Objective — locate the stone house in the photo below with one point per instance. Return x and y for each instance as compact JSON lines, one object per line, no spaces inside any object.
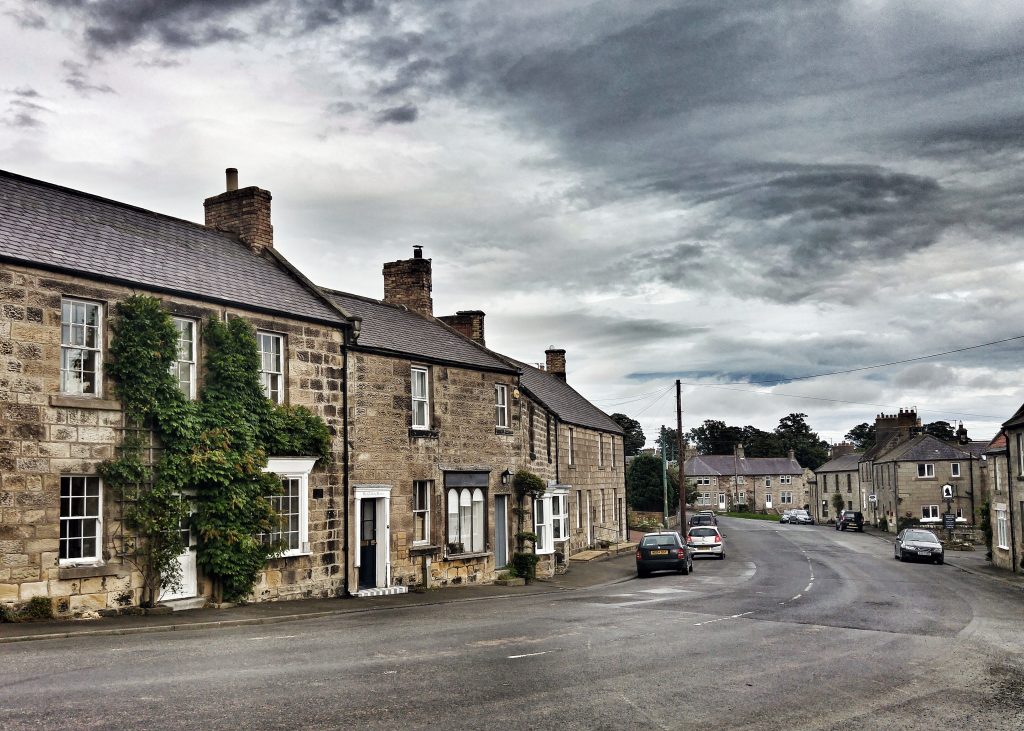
{"x":66,"y":259}
{"x":579,"y":450}
{"x":1006,"y":461}
{"x":723,"y":481}
{"x":841,"y":474}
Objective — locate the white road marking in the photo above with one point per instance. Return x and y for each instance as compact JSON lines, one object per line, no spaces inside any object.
{"x":796,"y":597}
{"x":721,"y":619}
{"x":529,"y":654}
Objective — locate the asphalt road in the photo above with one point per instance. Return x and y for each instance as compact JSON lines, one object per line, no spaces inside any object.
{"x":798,"y":628}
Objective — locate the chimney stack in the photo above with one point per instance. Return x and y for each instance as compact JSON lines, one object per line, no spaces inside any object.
{"x":244,"y":212}
{"x":408,"y":283}
{"x":739,"y":452}
{"x":555,"y":358}
{"x":792,"y":455}
{"x":841,"y":449}
{"x":468,"y":322}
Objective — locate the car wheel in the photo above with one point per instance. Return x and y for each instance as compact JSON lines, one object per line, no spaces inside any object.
{"x":900,"y":556}
{"x":721,"y":556}
{"x":940,"y":561}
{"x":642,"y":574}
{"x":683,"y":569}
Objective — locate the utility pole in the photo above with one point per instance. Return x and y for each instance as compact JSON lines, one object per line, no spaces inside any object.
{"x":681,"y":456}
{"x":664,"y":478}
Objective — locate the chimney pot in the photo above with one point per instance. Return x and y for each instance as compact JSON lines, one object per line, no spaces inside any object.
{"x":245,"y":213}
{"x":232,"y":178}
{"x":417,"y":252}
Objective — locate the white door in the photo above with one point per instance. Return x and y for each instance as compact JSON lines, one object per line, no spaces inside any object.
{"x":767,"y":500}
{"x":189,"y":575}
{"x":721,"y":501}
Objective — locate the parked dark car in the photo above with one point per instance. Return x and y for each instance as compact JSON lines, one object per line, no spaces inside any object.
{"x":703,"y":519}
{"x":850,"y":519}
{"x":663,"y":551}
{"x":801,"y":517}
{"x":919,"y":545}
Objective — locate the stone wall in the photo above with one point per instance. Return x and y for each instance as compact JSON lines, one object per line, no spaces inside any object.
{"x":462,"y":437}
{"x":44,"y":435}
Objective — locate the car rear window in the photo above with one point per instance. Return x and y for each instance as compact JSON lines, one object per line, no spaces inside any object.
{"x":661,"y":541}
{"x":703,"y":532}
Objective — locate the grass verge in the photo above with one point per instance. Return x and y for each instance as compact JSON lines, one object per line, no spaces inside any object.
{"x":753,"y":516}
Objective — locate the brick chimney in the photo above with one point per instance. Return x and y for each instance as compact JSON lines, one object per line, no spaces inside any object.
{"x":468,"y":322}
{"x":245,"y":212}
{"x":841,"y":450}
{"x":792,"y":455}
{"x":408,"y":283}
{"x":555,"y":358}
{"x":896,"y":426}
{"x":739,"y":452}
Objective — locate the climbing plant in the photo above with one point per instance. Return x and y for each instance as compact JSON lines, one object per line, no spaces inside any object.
{"x":213,"y":450}
{"x":525,"y":485}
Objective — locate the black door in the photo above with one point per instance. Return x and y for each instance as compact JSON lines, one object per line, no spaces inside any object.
{"x":368,"y":545}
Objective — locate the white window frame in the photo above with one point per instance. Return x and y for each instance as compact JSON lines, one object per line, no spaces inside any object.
{"x":74,"y":337}
{"x":1002,"y":533}
{"x":702,"y":481}
{"x":501,"y":419}
{"x":87,"y":517}
{"x":1020,"y":454}
{"x":767,"y":481}
{"x":185,"y":355}
{"x":579,"y":509}
{"x":269,"y":377}
{"x":741,"y":480}
{"x":572,"y":447}
{"x":420,"y":391}
{"x":542,"y":525}
{"x":954,"y":469}
{"x":930,"y":514}
{"x":925,"y":470}
{"x":421,"y":509}
{"x":704,"y":498}
{"x":560,"y":515}
{"x":785,"y":497}
{"x":466,"y":526}
{"x":741,"y":497}
{"x":785,"y":479}
{"x":297,"y":469}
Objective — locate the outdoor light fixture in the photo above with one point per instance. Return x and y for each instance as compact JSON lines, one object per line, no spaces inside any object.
{"x":504,"y":477}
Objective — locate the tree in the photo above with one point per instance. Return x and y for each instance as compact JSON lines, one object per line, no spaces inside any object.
{"x":633,"y":439}
{"x":862,"y":436}
{"x":794,"y":433}
{"x":643,"y":485}
{"x":758,"y":443}
{"x":715,"y":437}
{"x":668,"y":437}
{"x":838,"y":503}
{"x":941,"y":429}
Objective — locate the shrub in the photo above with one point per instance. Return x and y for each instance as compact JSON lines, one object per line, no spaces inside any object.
{"x":525,"y":565}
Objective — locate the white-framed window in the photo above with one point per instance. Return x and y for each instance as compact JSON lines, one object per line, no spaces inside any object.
{"x":572,"y":446}
{"x":704,"y":498}
{"x":81,"y":520}
{"x":929,"y":512}
{"x":421,"y":490}
{"x":742,"y":498}
{"x":421,"y":399}
{"x":560,"y":516}
{"x":272,"y":365}
{"x":600,"y":450}
{"x":501,"y":405}
{"x":184,"y":366}
{"x":466,"y":519}
{"x":954,"y":469}
{"x":1002,"y":540}
{"x":786,"y":497}
{"x":1020,"y":453}
{"x":542,"y":524}
{"x":702,"y":481}
{"x":579,"y":509}
{"x":81,"y":348}
{"x":785,"y":479}
{"x":292,"y":505}
{"x":925,"y":470}
{"x":740,"y":480}
{"x":767,"y":481}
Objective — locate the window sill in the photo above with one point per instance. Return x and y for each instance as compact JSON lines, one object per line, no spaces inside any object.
{"x":62,"y":401}
{"x":503,"y":431}
{"x":423,"y":433}
{"x":463,"y":556}
{"x":67,"y":572}
{"x":423,"y":548}
{"x":290,"y":554}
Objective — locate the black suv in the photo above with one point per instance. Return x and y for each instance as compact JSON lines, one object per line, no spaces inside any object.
{"x":850,"y":519}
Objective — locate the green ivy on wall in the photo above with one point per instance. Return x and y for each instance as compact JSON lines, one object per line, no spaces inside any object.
{"x":213,"y":450}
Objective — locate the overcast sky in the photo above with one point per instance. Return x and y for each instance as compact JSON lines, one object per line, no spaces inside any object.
{"x":721,"y":192}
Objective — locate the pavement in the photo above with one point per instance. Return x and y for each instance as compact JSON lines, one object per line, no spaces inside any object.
{"x":611,"y":570}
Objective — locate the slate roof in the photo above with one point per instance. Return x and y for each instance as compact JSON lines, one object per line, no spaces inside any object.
{"x":845,"y":463}
{"x":1016,"y":420}
{"x":396,"y":330}
{"x":52,"y":227}
{"x":719,"y":465}
{"x":564,"y":400}
{"x":925,"y":447}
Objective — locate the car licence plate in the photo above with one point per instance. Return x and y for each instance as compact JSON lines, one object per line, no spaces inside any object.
{"x":659,"y":553}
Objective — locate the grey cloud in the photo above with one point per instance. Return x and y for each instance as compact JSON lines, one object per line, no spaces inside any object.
{"x":28,"y":19}
{"x":27,"y":92}
{"x":403,"y":114}
{"x":23,"y":111}
{"x":75,"y":76}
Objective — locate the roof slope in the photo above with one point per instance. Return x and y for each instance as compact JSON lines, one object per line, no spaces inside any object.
{"x":1016,"y":420}
{"x":401,"y":331}
{"x":58,"y":228}
{"x":564,"y":400}
{"x":924,"y":447}
{"x":845,"y":463}
{"x":717,"y":465}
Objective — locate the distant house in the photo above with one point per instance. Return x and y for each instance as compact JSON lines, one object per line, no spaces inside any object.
{"x":839,"y":475}
{"x":728,"y":481}
{"x":1007,"y":497}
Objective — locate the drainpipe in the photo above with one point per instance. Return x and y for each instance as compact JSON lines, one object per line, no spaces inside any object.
{"x":971,"y":464}
{"x":345,"y":458}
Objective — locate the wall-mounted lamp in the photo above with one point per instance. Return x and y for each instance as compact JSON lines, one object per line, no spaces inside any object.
{"x":505,"y":477}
